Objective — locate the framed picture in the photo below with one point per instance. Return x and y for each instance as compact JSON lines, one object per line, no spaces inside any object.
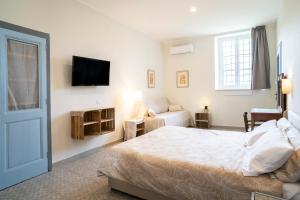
{"x":182,"y":79}
{"x":151,"y":78}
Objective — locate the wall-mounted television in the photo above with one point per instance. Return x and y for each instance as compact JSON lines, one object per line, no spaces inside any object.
{"x":90,"y":72}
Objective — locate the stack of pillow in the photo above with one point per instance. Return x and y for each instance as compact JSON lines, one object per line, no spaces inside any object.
{"x":273,"y":147}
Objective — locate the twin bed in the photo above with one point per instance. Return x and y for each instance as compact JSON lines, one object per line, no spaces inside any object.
{"x":178,"y":118}
{"x":186,"y":163}
{"x":161,"y":114}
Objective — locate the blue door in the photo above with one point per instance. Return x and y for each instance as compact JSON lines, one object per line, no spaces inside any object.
{"x":23,"y":108}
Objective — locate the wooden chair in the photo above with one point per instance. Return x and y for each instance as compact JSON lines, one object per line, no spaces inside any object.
{"x":246,"y":122}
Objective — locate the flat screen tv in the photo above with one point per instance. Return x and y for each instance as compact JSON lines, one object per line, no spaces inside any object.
{"x":90,"y":72}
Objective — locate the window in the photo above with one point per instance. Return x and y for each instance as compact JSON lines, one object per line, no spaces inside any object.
{"x":233,"y":61}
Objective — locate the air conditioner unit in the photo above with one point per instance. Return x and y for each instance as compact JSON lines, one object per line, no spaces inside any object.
{"x":182,"y":49}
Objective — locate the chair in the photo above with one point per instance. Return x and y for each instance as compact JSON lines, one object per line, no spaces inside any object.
{"x":246,"y":122}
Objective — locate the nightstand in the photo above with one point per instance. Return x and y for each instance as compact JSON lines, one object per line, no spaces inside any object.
{"x":202,"y":120}
{"x":134,"y":128}
{"x":262,"y":196}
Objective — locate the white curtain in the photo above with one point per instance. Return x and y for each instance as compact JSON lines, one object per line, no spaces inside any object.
{"x":23,"y":83}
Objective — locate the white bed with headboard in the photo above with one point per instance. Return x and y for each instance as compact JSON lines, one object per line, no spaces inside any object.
{"x":186,"y":163}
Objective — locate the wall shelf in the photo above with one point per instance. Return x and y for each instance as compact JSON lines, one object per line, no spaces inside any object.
{"x":92,"y":122}
{"x":106,"y":120}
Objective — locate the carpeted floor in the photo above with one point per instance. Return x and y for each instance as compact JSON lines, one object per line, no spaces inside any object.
{"x":73,"y":179}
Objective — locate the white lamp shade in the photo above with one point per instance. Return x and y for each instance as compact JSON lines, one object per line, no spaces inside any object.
{"x":286,"y":86}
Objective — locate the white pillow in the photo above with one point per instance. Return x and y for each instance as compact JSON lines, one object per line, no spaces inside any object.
{"x":284,"y":124}
{"x":151,"y":112}
{"x":254,"y":135}
{"x":158,"y":105}
{"x":293,"y":135}
{"x":269,"y":153}
{"x":163,"y":105}
{"x":174,"y":108}
{"x":267,"y":125}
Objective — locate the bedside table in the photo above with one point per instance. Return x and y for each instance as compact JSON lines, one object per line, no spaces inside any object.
{"x":262,"y":196}
{"x":202,"y":120}
{"x":134,"y":128}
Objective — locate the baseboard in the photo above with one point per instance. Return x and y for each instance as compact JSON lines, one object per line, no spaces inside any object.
{"x":89,"y":152}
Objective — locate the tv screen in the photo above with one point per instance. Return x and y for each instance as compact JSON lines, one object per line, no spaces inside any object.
{"x":90,"y":72}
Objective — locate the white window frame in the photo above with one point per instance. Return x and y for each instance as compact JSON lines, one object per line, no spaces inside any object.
{"x":219,"y":67}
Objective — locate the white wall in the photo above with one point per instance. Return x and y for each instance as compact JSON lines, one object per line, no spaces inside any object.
{"x":289,"y":34}
{"x":78,"y":30}
{"x":225,"y":110}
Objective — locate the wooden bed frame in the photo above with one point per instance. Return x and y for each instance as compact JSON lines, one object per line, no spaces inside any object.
{"x":151,"y":195}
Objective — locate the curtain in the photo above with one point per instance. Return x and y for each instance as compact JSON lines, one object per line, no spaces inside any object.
{"x":23,"y":85}
{"x":260,"y":59}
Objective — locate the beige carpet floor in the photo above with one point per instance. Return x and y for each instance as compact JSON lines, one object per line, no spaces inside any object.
{"x":73,"y":179}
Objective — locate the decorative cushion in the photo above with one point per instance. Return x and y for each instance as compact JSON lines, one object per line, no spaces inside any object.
{"x":174,"y":108}
{"x":254,"y":135}
{"x":269,"y":153}
{"x":151,"y":112}
{"x":290,"y":171}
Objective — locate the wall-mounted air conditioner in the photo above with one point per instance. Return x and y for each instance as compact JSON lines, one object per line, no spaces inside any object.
{"x":182,"y":49}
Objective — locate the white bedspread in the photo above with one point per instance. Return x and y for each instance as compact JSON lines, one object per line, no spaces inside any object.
{"x":186,"y":163}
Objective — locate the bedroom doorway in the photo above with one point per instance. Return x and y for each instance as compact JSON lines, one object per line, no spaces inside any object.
{"x":24,"y":108}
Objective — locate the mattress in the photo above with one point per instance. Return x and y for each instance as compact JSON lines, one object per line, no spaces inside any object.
{"x":179,"y":118}
{"x":186,"y":163}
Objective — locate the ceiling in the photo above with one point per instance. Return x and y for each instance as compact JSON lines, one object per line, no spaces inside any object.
{"x":171,"y":19}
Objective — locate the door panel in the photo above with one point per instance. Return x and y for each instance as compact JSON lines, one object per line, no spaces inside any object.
{"x":23,"y":137}
{"x":23,"y":122}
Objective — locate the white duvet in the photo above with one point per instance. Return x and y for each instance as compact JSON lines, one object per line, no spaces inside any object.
{"x":186,"y":163}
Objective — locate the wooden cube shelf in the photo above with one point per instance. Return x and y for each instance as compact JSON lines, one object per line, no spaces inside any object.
{"x":202,"y":120}
{"x":92,"y":122}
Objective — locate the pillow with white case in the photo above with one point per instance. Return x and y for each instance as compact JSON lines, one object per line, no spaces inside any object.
{"x":268,"y":154}
{"x":174,"y":108}
{"x":284,"y":124}
{"x":254,"y":135}
{"x":290,"y":171}
{"x":158,"y":105}
{"x":151,"y":112}
{"x":267,"y":125}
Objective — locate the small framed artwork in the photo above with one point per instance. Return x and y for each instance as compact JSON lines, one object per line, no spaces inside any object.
{"x":151,"y":78}
{"x":182,"y":79}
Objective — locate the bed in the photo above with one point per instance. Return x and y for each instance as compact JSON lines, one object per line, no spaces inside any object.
{"x":205,"y":164}
{"x":163,"y":116}
{"x":178,"y":118}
